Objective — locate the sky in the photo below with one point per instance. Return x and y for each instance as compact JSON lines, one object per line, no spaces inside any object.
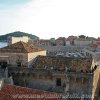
{"x":51,"y":18}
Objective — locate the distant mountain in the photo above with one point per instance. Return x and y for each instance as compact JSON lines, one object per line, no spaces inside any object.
{"x":3,"y":38}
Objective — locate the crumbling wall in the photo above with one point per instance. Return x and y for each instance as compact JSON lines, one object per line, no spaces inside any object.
{"x":38,"y":80}
{"x":96,"y":83}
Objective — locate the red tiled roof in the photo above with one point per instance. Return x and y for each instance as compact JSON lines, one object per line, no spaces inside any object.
{"x":12,"y":92}
{"x":41,"y":40}
{"x":98,"y":39}
{"x":95,"y":45}
{"x":21,"y":47}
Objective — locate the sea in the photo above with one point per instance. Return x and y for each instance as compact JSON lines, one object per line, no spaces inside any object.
{"x":3,"y":44}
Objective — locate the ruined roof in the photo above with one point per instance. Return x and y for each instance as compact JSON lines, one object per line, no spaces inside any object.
{"x":10,"y":92}
{"x":75,"y":64}
{"x":20,"y":47}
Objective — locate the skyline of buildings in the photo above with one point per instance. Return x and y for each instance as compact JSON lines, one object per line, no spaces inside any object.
{"x":62,"y":62}
{"x":31,"y":66}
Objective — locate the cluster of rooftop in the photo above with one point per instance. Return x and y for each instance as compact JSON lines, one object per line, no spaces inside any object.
{"x":29,"y":66}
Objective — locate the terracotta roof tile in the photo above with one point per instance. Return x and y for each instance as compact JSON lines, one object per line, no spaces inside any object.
{"x":98,"y":39}
{"x":21,"y":47}
{"x":61,"y":63}
{"x":42,"y":40}
{"x":12,"y":92}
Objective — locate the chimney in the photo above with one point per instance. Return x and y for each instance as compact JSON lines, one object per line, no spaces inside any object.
{"x":1,"y":83}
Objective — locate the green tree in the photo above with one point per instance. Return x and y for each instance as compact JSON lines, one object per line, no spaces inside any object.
{"x":82,"y":36}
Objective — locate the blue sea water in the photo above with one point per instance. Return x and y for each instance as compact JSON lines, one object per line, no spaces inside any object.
{"x":3,"y":44}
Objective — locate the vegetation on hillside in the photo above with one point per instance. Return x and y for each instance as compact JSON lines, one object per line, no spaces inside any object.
{"x":3,"y":38}
{"x":82,"y":36}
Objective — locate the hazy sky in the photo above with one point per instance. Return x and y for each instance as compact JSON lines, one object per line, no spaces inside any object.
{"x":51,"y":18}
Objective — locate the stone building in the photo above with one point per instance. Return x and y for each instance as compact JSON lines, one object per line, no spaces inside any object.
{"x":80,"y":76}
{"x":30,"y":67}
{"x":97,"y":41}
{"x":70,"y":40}
{"x":19,"y":54}
{"x":53,"y":50}
{"x":93,"y":50}
{"x":61,"y":41}
{"x":43,"y":42}
{"x":12,"y":40}
{"x":53,"y":42}
{"x":83,"y":41}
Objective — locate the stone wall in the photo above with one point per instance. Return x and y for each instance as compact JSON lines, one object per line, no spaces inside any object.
{"x":25,"y":58}
{"x":53,"y":50}
{"x":12,"y":40}
{"x":38,"y":80}
{"x":32,"y":56}
{"x":63,"y":48}
{"x":96,"y":84}
{"x":82,"y":42}
{"x":81,"y":84}
{"x":46,"y":80}
{"x":12,"y":58}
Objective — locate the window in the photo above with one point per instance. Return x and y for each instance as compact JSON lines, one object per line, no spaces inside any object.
{"x":18,"y":64}
{"x":3,"y":64}
{"x":58,"y":82}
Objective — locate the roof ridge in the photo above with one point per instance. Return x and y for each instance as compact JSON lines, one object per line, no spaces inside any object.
{"x":21,"y":47}
{"x":23,"y":44}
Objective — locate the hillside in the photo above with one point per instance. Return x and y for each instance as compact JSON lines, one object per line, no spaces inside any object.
{"x":3,"y":38}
